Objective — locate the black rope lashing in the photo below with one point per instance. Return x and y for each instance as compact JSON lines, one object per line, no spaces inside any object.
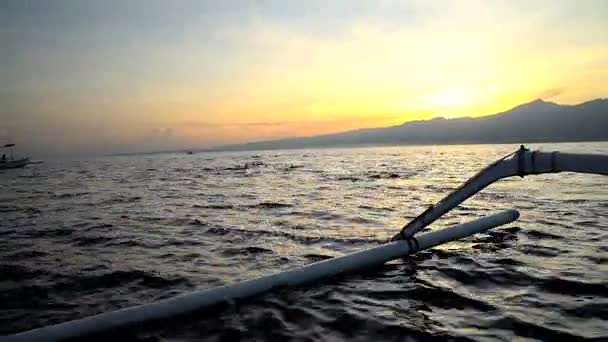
{"x":416,"y":243}
{"x":409,"y":243}
{"x":521,"y":172}
{"x":412,"y":244}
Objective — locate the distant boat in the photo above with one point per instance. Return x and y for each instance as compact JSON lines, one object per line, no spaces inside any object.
{"x":189,"y":152}
{"x":10,"y":162}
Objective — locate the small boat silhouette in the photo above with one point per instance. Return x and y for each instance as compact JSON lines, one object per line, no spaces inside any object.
{"x":9,"y":162}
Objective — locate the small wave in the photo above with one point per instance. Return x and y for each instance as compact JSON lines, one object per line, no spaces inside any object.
{"x":118,"y":200}
{"x":117,"y":278}
{"x":7,"y":232}
{"x":149,"y":219}
{"x":25,"y":255}
{"x":271,"y":205}
{"x":90,"y":283}
{"x":328,"y":216}
{"x":307,"y":240}
{"x":13,"y":208}
{"x":183,"y":243}
{"x":295,"y":226}
{"x":196,"y":222}
{"x":444,"y":298}
{"x":346,"y":178}
{"x":69,"y":195}
{"x":561,"y":285}
{"x":535,"y":234}
{"x":494,"y":237}
{"x":188,"y":257}
{"x":219,"y":231}
{"x":33,"y":175}
{"x":438,"y":188}
{"x":19,"y":273}
{"x":216,"y":206}
{"x":384,"y":176}
{"x":589,"y":310}
{"x":261,"y":205}
{"x":246,"y":250}
{"x":600,"y":260}
{"x":508,"y":262}
{"x":245,"y":166}
{"x":511,"y":230}
{"x":574,"y":200}
{"x":527,"y":329}
{"x":41,"y":233}
{"x":8,"y":208}
{"x":542,"y":251}
{"x":361,"y":220}
{"x":511,"y":276}
{"x":31,"y":210}
{"x":91,"y":240}
{"x":317,"y":257}
{"x":130,"y":243}
{"x":476,"y":278}
{"x":366,"y":207}
{"x":95,"y":228}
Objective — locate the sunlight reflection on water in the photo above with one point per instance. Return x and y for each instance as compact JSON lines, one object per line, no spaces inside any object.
{"x":84,"y":236}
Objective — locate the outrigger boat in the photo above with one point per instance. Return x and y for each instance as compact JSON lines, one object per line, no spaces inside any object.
{"x":10,"y":162}
{"x":520,"y":163}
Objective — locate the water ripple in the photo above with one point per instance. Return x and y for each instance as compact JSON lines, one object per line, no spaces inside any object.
{"x":81,"y":237}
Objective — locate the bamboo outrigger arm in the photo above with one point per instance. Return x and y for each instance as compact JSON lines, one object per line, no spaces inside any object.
{"x":520,"y":163}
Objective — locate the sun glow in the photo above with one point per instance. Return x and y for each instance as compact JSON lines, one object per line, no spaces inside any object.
{"x":227,"y":74}
{"x":450,"y":98}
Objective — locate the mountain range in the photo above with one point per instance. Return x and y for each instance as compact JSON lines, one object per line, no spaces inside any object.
{"x":536,"y":121}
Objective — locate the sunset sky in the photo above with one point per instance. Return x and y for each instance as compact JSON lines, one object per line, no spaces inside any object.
{"x":90,"y":77}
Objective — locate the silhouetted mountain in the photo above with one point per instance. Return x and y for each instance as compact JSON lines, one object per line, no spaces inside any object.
{"x":536,"y":121}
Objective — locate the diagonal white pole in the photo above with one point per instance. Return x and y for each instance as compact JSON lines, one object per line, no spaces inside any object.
{"x":520,"y":163}
{"x":199,"y":300}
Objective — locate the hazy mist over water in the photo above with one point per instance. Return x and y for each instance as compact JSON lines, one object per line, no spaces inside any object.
{"x":80,"y":237}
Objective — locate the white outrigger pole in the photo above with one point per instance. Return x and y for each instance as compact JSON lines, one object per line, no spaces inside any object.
{"x":522,"y":162}
{"x":519,"y":163}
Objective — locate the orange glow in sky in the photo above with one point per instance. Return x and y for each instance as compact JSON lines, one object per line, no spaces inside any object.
{"x":107,"y":77}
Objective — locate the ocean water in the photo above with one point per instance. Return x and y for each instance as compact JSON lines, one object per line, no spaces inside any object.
{"x":80,"y":237}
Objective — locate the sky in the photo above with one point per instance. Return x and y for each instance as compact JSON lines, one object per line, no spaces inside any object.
{"x":94,"y":77}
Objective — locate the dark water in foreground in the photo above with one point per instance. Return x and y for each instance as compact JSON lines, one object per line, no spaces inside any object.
{"x":85,"y":236}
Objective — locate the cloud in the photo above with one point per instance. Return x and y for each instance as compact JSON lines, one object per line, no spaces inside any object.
{"x":250,"y":124}
{"x":550,"y":93}
{"x":206,"y":72}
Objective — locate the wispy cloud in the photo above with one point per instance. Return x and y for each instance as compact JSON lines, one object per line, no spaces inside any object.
{"x":250,"y":124}
{"x":216,"y":72}
{"x":550,"y":93}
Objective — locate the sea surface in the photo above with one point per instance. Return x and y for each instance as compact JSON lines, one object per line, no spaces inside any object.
{"x":80,"y":237}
